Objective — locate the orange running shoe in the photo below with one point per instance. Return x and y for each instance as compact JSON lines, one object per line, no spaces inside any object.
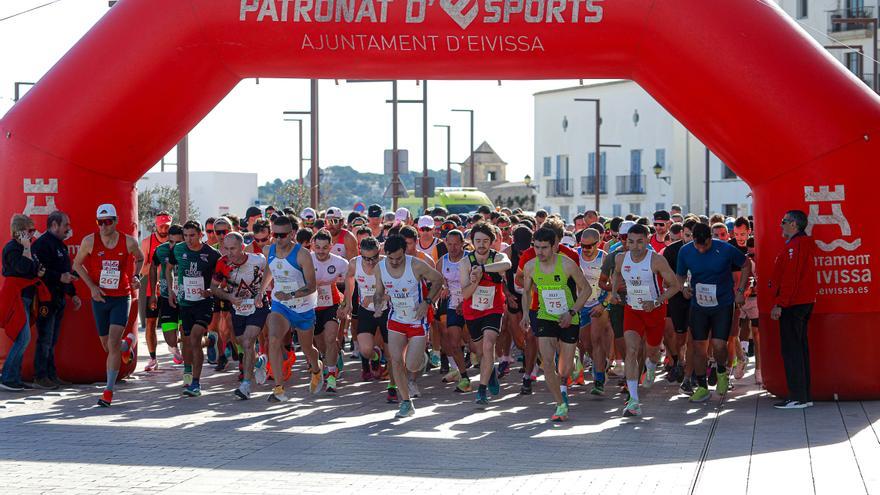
{"x":106,"y":398}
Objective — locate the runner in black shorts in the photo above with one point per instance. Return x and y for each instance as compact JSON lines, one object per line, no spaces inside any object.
{"x":678,"y":310}
{"x":330,"y":269}
{"x":451,"y":300}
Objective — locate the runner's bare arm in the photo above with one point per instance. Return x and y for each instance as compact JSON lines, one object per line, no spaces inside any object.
{"x":379,"y":295}
{"x":584,"y":291}
{"x":501,"y":264}
{"x":468,"y":287}
{"x":267,"y":280}
{"x":169,"y":279}
{"x":427,"y":273}
{"x":670,"y":280}
{"x":616,"y":279}
{"x":528,"y":288}
{"x":135,"y":250}
{"x":347,"y":303}
{"x":153,"y":278}
{"x":304,"y":258}
{"x":351,"y":246}
{"x":85,"y":249}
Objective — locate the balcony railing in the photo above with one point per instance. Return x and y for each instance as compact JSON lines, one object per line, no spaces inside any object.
{"x":588,"y":184}
{"x":835,"y":26}
{"x":560,"y":188}
{"x":631,"y":184}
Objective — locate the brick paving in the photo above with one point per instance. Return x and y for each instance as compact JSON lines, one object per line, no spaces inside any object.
{"x":153,"y":440}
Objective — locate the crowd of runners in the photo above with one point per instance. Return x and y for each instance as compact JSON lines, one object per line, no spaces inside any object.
{"x":596,"y":304}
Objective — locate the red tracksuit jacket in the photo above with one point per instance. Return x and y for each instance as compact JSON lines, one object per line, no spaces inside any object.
{"x":794,"y":273}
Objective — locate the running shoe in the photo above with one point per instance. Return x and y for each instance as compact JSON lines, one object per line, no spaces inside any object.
{"x":193,"y":390}
{"x":331,"y":383}
{"x":452,"y":377}
{"x":222,"y":362}
{"x":494,"y":384}
{"x":406,"y":409}
{"x":260,"y":374}
{"x":723,"y":383}
{"x":413,"y":390}
{"x":176,"y":357}
{"x":464,"y":385}
{"x":598,"y":388}
{"x":475,"y":360}
{"x":561,"y":413}
{"x":213,"y":350}
{"x":712,"y":374}
{"x":316,"y":384}
{"x":633,"y":408}
{"x":391,"y":395}
{"x":288,"y":365}
{"x":106,"y":398}
{"x":435,"y":359}
{"x":650,"y":376}
{"x":340,"y":361}
{"x":526,"y":388}
{"x":791,"y":404}
{"x":277,"y":394}
{"x":187,"y":379}
{"x":444,"y":364}
{"x":686,"y":387}
{"x":739,"y":369}
{"x":366,"y":376}
{"x":482,"y":397}
{"x":678,"y":370}
{"x":503,"y":369}
{"x":701,"y":394}
{"x":580,"y":380}
{"x":243,"y":391}
{"x":152,"y":365}
{"x":565,"y":398}
{"x":576,"y":369}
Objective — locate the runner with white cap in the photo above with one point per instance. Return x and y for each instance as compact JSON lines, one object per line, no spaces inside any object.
{"x":345,"y":243}
{"x":402,"y":217}
{"x":309,"y":217}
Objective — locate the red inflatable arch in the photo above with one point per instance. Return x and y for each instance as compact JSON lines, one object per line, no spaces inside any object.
{"x":765,"y":97}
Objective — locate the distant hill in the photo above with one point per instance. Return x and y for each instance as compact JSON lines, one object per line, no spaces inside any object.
{"x":343,"y":186}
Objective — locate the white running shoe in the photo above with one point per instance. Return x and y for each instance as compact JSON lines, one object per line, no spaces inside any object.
{"x":260,"y":374}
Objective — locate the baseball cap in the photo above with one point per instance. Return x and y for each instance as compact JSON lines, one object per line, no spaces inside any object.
{"x":625,"y":226}
{"x":308,"y":214}
{"x":568,"y":240}
{"x":522,"y":238}
{"x":447,"y":226}
{"x":388,"y":217}
{"x":252,"y":211}
{"x":426,"y":221}
{"x":106,"y":211}
{"x":662,"y":215}
{"x":333,"y":212}
{"x":374,"y":211}
{"x":401,"y":215}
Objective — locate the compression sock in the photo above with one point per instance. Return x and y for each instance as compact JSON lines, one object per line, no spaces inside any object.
{"x":633,"y":386}
{"x":111,"y":379}
{"x":153,"y":355}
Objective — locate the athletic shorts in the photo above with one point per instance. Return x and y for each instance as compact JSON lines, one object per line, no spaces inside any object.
{"x":199,"y":313}
{"x":150,"y":312}
{"x":169,"y":318}
{"x":518,"y":298}
{"x":408,"y":329}
{"x":368,"y":323}
{"x":749,"y":310}
{"x":650,"y":325}
{"x":551,"y":329}
{"x":586,"y":318}
{"x":323,"y":316}
{"x":355,"y":301}
{"x":257,"y":319}
{"x":222,"y":305}
{"x":298,"y":321}
{"x":113,"y":311}
{"x":486,"y":323}
{"x":678,"y":310}
{"x":453,"y":319}
{"x":615,"y":314}
{"x":716,"y":322}
{"x":533,"y":322}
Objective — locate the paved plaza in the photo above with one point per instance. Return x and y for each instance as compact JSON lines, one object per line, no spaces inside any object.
{"x":154,"y":440}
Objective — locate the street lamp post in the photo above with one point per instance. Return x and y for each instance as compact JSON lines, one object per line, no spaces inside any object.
{"x":18,"y":86}
{"x":473,"y":182}
{"x":301,"y":159}
{"x":424,"y":103}
{"x":598,"y":159}
{"x":448,"y":153}
{"x":315,"y":185}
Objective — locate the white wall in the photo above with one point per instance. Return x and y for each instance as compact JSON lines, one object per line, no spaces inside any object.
{"x":213,"y":193}
{"x":656,"y":130}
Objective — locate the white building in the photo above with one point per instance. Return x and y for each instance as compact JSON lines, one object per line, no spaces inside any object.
{"x":213,"y":193}
{"x":636,"y":135}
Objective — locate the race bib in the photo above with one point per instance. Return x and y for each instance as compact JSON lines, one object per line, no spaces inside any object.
{"x":483,"y":298}
{"x":405,"y":308}
{"x":192,"y":288}
{"x":247,"y":307}
{"x":555,"y":302}
{"x":325,"y":296}
{"x":637,"y":295}
{"x":367,"y":292}
{"x":110,"y":274}
{"x":707,"y":295}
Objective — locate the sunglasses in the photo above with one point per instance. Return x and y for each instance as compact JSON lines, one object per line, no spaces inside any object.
{"x":261,"y":240}
{"x":659,"y":224}
{"x":333,"y":221}
{"x":505,"y":229}
{"x":280,"y":235}
{"x":103,"y":222}
{"x":370,"y":259}
{"x":426,"y":229}
{"x":209,"y":231}
{"x":785,"y":221}
{"x":221,"y":233}
{"x":588,"y":246}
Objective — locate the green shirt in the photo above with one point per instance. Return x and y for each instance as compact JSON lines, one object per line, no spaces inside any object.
{"x":193,"y":270}
{"x":554,"y":295}
{"x":161,"y":255}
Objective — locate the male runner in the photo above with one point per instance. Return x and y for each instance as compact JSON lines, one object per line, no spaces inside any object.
{"x":595,"y":324}
{"x":169,"y":319}
{"x":644,"y":316}
{"x":711,"y":291}
{"x":403,"y":279}
{"x":344,"y":242}
{"x":660,"y":239}
{"x":450,"y":306}
{"x":148,"y":247}
{"x":678,"y":311}
{"x":558,"y":311}
{"x":483,"y":303}
{"x":374,"y":219}
{"x":238,"y":280}
{"x":293,"y":305}
{"x":330,"y":269}
{"x":194,"y":264}
{"x":113,"y":259}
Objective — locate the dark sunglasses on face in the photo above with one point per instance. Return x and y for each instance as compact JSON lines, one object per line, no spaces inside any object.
{"x":309,"y":221}
{"x":209,"y":231}
{"x":371,"y":259}
{"x":659,"y":224}
{"x":280,"y":235}
{"x":261,"y":240}
{"x":334,"y":221}
{"x":221,"y":233}
{"x":785,"y":221}
{"x":426,"y":229}
{"x":105,"y":221}
{"x":588,"y":246}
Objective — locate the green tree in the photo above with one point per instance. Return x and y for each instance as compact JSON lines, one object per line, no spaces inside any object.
{"x":161,"y":198}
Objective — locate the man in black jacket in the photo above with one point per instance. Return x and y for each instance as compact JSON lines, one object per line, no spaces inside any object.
{"x":52,"y":253}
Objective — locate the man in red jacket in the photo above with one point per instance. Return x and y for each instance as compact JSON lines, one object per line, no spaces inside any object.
{"x":793,"y":288}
